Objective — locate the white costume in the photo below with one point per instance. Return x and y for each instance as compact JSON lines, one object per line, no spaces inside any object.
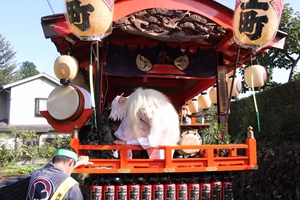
{"x":150,"y":121}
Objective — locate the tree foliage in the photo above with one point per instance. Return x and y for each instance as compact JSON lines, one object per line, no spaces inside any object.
{"x":288,"y":57}
{"x":7,"y":63}
{"x":26,"y":70}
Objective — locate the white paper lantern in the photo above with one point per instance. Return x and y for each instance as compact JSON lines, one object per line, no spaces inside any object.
{"x":204,"y":101}
{"x":255,"y":76}
{"x":89,"y":20}
{"x":213,"y":94}
{"x":193,"y":106}
{"x":237,"y":87}
{"x":256,"y":22}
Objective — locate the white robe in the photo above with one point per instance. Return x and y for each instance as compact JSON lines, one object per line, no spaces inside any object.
{"x":124,"y":133}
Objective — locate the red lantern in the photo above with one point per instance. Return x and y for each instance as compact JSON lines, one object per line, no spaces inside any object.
{"x":256,"y":22}
{"x":95,"y":192}
{"x":89,"y":19}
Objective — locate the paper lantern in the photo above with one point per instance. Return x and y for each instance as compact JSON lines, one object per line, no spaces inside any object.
{"x":204,"y":101}
{"x":213,"y":94}
{"x":256,"y":22}
{"x":237,"y":87}
{"x":65,"y":67}
{"x":255,"y":74}
{"x":193,"y":106}
{"x":89,"y":20}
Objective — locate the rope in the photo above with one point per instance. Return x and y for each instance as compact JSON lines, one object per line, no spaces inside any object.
{"x":92,"y":84}
{"x":254,"y":97}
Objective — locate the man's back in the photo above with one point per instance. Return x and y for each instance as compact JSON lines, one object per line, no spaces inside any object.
{"x":45,"y":181}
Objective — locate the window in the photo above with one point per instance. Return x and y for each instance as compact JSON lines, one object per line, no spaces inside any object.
{"x":40,"y":104}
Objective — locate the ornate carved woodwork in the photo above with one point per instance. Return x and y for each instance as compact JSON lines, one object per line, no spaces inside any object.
{"x":170,"y":25}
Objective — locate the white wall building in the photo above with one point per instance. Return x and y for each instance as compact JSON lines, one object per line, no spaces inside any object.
{"x":21,"y":101}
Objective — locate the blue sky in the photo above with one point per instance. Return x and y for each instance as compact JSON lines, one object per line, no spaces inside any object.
{"x":20,"y":24}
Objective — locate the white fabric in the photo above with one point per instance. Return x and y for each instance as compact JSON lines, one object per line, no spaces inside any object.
{"x":124,"y":133}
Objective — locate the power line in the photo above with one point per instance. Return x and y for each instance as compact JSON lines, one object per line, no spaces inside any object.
{"x":50,"y":6}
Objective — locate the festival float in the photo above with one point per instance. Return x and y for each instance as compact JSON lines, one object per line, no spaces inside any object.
{"x":138,"y":76}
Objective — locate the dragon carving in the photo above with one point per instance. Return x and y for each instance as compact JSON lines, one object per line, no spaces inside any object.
{"x":169,"y":25}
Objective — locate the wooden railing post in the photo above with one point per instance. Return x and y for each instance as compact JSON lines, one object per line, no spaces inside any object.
{"x":74,"y":142}
{"x":251,"y":150}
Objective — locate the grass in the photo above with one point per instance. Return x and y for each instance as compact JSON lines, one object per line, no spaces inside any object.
{"x":20,"y":168}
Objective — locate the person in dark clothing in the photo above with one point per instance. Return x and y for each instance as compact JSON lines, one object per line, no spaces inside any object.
{"x":53,"y":181}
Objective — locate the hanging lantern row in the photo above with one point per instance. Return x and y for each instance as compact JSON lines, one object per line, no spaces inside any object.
{"x":255,"y":74}
{"x":90,"y":20}
{"x":237,"y":88}
{"x":203,"y":102}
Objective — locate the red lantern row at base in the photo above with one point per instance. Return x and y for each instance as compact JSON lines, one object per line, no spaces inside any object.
{"x":215,"y":190}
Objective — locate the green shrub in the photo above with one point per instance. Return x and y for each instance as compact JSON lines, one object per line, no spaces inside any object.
{"x":25,"y":149}
{"x":7,"y":155}
{"x":278,"y":116}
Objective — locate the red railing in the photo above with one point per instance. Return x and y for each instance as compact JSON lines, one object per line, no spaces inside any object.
{"x":207,"y":161}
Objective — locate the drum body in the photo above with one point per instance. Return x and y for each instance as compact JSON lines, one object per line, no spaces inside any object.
{"x":189,"y":138}
{"x":66,"y":103}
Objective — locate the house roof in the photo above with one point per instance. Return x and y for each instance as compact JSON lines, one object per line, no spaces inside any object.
{"x":30,"y":79}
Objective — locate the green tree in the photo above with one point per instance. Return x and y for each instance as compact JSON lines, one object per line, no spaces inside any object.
{"x":297,"y":76}
{"x":27,"y":69}
{"x":288,"y":57}
{"x":7,"y":63}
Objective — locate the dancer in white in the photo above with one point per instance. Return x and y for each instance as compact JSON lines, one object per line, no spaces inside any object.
{"x":150,"y":120}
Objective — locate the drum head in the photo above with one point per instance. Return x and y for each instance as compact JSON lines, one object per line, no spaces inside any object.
{"x":190,"y":138}
{"x":63,"y":102}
